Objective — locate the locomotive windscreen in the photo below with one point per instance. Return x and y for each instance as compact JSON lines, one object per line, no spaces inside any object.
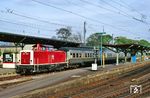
{"x":25,"y":57}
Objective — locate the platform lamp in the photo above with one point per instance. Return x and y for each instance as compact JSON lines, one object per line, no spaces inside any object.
{"x":101,"y":50}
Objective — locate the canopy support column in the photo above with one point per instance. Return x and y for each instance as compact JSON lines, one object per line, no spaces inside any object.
{"x":117,"y":57}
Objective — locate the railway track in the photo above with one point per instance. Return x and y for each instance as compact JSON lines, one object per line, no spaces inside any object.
{"x":4,"y":78}
{"x":17,"y":76}
{"x":115,"y":86}
{"x":7,"y":81}
{"x":89,"y":85}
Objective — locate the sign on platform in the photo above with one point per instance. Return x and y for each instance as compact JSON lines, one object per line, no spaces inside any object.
{"x":94,"y":66}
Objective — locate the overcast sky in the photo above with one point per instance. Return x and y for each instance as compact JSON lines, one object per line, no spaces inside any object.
{"x":129,"y":18}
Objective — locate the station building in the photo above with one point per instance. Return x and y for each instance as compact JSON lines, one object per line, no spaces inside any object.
{"x":12,"y":49}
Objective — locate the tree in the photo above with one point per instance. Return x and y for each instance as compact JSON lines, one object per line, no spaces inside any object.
{"x":95,"y":39}
{"x":54,"y":37}
{"x":144,"y":43}
{"x":124,"y":40}
{"x":64,"y":33}
{"x":76,"y":37}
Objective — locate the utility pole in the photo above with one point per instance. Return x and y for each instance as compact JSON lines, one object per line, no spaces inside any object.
{"x":101,"y":45}
{"x":84,"y":35}
{"x":102,"y":48}
{"x":103,"y":29}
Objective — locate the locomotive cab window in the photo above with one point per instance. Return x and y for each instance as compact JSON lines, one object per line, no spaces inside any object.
{"x":43,"y":48}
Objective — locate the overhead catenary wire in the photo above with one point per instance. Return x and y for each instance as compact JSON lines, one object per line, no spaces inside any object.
{"x":82,"y":16}
{"x":99,"y":6}
{"x":82,"y":7}
{"x":75,"y":4}
{"x":134,"y":18}
{"x":117,"y":8}
{"x":143,"y":16}
{"x":126,"y":6}
{"x":79,"y":15}
{"x":32,"y":18}
{"x":20,"y":24}
{"x":23,"y":31}
{"x":14,"y":12}
{"x":97,"y":22}
{"x":123,"y":13}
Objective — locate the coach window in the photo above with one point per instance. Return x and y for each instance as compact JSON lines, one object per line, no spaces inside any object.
{"x":77,"y":55}
{"x":73,"y":55}
{"x":85,"y":54}
{"x":80,"y":55}
{"x":90,"y":55}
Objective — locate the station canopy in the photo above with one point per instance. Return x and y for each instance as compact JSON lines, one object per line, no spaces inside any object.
{"x":26,"y":39}
{"x":136,"y":47}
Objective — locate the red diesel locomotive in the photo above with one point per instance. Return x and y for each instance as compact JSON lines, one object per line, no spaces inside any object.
{"x":40,"y":58}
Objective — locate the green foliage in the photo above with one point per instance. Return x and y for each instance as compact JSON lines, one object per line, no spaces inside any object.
{"x":124,"y":40}
{"x":64,"y":33}
{"x":144,"y":43}
{"x":95,"y":39}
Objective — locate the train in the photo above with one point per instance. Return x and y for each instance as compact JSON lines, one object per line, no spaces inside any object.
{"x":43,"y":58}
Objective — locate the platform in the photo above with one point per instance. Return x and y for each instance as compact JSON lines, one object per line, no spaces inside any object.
{"x":7,"y":71}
